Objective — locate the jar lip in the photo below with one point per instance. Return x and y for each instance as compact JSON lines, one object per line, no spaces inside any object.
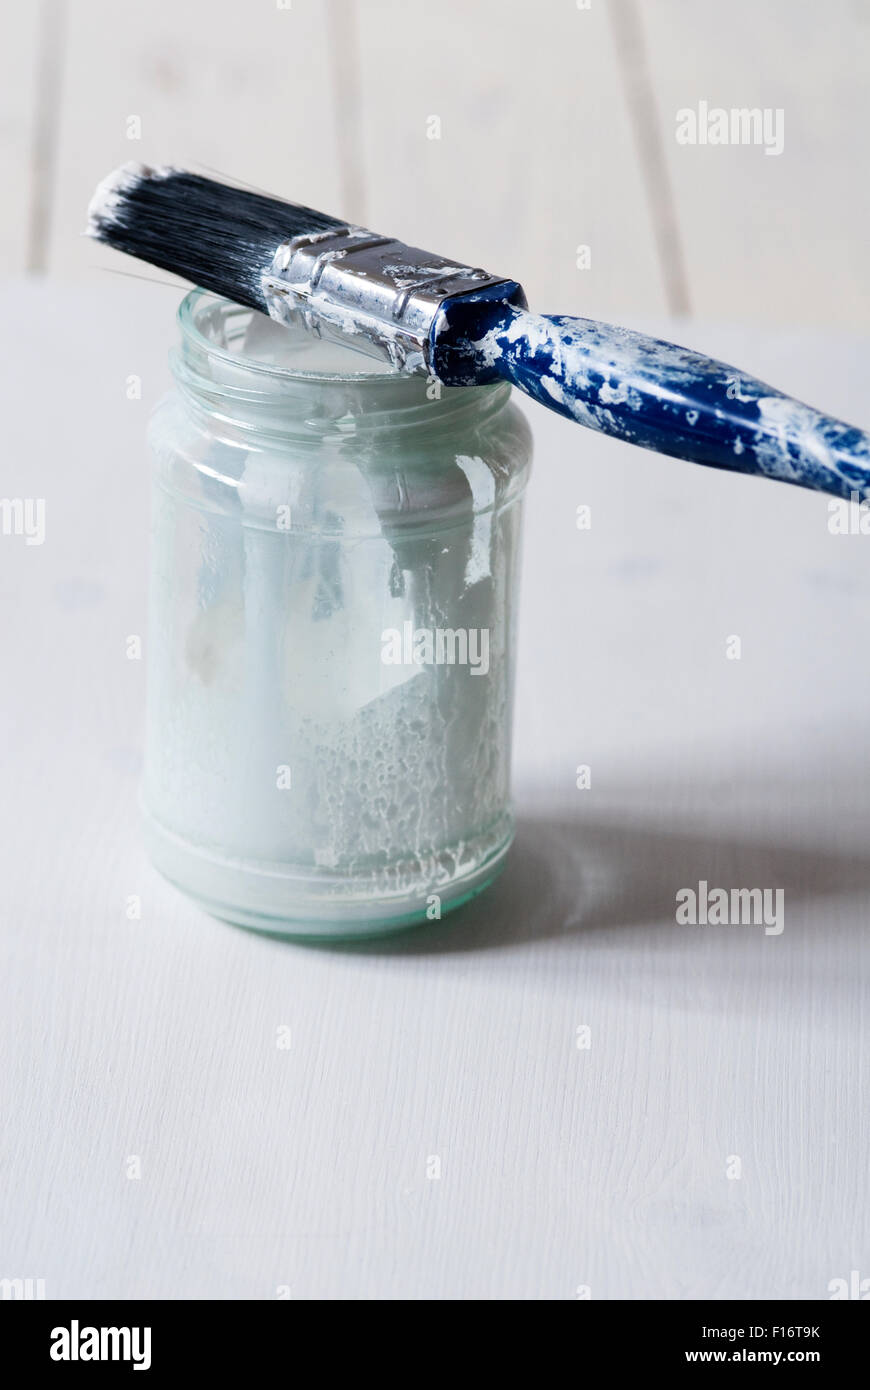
{"x":186,"y":319}
{"x":250,"y":397}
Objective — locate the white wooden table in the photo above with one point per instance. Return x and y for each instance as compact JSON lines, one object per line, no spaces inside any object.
{"x":158,"y":1142}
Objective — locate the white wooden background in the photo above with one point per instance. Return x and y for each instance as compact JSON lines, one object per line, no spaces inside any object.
{"x":557,"y":130}
{"x":155,"y":1138}
{"x":153,"y":1040}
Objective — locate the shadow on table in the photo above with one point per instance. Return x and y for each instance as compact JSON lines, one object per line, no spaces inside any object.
{"x":580,"y":877}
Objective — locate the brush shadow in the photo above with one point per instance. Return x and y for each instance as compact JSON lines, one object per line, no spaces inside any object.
{"x":576,"y":876}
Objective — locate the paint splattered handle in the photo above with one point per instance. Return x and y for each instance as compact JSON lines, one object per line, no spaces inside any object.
{"x":670,"y":399}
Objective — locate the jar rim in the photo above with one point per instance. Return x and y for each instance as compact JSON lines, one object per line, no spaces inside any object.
{"x":248,"y":396}
{"x":186,"y":318}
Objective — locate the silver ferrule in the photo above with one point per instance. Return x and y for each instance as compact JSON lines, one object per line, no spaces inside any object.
{"x":373,"y":292}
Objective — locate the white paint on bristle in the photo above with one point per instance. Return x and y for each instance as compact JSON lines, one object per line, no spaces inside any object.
{"x":112,"y":190}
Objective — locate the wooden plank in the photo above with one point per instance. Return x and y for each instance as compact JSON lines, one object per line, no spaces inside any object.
{"x":534,"y":154}
{"x":780,"y":238}
{"x":561,"y":1166}
{"x":244,"y":91}
{"x":19,"y":66}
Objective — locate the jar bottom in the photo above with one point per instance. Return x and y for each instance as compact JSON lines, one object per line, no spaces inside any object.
{"x":320,"y":905}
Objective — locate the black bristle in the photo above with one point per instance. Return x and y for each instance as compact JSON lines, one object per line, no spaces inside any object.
{"x":219,"y":237}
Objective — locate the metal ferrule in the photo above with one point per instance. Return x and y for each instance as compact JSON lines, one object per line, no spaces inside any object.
{"x":350,"y":283}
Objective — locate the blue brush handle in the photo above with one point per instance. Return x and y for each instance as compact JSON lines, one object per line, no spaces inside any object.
{"x":649,"y":392}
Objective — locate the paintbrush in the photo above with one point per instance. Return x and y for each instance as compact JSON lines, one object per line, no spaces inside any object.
{"x":463,"y":327}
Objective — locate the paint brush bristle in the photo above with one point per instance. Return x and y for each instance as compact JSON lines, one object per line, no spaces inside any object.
{"x":337,"y":280}
{"x":216,"y":236}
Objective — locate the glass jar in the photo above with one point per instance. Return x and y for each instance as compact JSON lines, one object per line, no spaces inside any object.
{"x":332,"y":631}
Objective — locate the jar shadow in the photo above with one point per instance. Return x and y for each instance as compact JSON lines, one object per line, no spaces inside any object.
{"x":575,"y":877}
